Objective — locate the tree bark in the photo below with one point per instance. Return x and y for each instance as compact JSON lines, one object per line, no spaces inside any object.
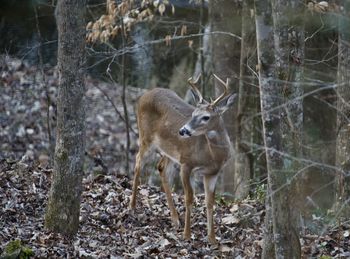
{"x":343,"y":114}
{"x":266,"y":58}
{"x":64,"y":199}
{"x":280,"y":55}
{"x":289,"y":57}
{"x":246,"y":102}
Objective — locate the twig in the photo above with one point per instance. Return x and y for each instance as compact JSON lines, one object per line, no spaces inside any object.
{"x":201,"y":47}
{"x":126,"y":116}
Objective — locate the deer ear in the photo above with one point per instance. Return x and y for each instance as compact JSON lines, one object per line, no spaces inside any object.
{"x":226,"y":103}
{"x":195,"y":96}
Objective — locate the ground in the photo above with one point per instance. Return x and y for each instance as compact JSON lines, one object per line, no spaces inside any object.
{"x":108,"y":229}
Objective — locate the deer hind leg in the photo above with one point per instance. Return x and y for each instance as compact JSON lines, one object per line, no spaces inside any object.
{"x":185,"y":177}
{"x":162,"y":166}
{"x":209,"y":188}
{"x":137,"y":171}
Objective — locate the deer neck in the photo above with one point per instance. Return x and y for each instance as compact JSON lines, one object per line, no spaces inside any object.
{"x":218,"y":143}
{"x":216,"y":139}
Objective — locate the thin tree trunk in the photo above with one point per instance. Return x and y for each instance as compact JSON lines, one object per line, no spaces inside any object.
{"x":265,"y":46}
{"x":243,"y":163}
{"x":64,"y":199}
{"x":123,"y":98}
{"x":343,"y":114}
{"x":201,"y":50}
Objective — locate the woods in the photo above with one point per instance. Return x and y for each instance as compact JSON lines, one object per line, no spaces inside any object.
{"x":271,"y":174}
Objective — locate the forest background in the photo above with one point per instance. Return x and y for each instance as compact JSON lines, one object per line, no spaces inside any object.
{"x":287,"y":60}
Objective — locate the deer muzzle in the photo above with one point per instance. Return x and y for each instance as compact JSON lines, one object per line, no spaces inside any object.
{"x":184,"y":132}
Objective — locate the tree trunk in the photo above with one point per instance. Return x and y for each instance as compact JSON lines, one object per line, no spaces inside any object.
{"x":224,"y":16}
{"x":64,"y":199}
{"x":343,"y":114}
{"x":246,"y":109}
{"x":282,"y":114}
{"x":289,"y":57}
{"x":264,"y":36}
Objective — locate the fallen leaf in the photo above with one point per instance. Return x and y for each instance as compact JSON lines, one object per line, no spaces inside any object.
{"x":230,"y":220}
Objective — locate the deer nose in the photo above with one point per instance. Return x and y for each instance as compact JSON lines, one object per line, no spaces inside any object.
{"x":184,"y":131}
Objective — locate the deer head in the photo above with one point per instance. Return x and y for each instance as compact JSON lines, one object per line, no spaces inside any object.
{"x":206,"y":115}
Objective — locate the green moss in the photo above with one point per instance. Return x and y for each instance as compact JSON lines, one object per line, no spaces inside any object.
{"x":16,"y":250}
{"x":62,"y":155}
{"x":282,"y":75}
{"x":50,"y":219}
{"x":13,"y":246}
{"x":26,"y":252}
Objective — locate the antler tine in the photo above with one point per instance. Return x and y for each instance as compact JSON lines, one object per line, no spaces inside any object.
{"x":195,"y":88}
{"x":225,"y":87}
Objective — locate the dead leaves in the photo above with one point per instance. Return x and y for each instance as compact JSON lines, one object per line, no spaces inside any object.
{"x":108,"y":228}
{"x":124,"y":15}
{"x":229,"y":220}
{"x":323,"y":7}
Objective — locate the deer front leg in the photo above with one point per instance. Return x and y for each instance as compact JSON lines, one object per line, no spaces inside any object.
{"x":186,"y":183}
{"x":162,"y":165}
{"x":209,"y":188}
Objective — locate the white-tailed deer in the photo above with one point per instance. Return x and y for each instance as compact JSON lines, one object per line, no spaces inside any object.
{"x":194,"y":137}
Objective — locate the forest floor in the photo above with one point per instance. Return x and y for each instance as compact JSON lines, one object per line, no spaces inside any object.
{"x":107,"y":228}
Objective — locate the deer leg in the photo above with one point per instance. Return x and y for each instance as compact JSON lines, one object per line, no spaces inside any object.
{"x":185,"y":178}
{"x":162,"y":166}
{"x":209,"y":188}
{"x":137,"y":171}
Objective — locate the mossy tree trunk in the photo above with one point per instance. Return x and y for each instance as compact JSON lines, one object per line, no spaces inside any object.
{"x":343,"y":113}
{"x":63,"y":207}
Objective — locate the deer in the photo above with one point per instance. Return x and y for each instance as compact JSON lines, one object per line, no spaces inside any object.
{"x":193,"y":137}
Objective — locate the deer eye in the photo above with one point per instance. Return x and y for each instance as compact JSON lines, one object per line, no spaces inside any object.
{"x":205,"y":118}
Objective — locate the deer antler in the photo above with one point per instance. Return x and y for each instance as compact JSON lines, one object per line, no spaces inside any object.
{"x":195,"y":88}
{"x":225,"y":88}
